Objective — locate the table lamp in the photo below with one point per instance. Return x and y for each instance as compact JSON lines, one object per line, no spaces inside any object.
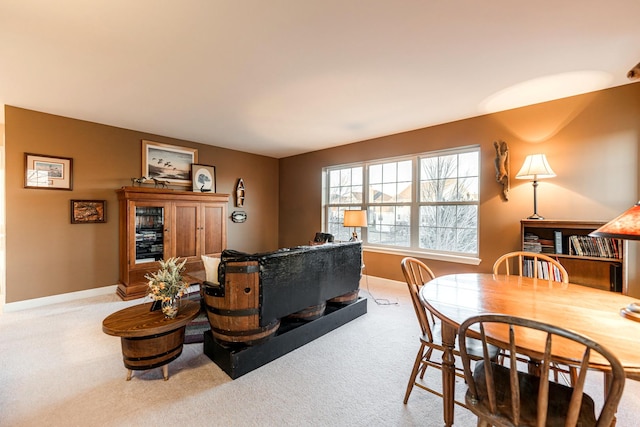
{"x":625,"y":226}
{"x":355,"y":219}
{"x":535,"y":167}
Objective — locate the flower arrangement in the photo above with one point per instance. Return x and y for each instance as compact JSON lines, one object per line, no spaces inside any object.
{"x":166,"y":284}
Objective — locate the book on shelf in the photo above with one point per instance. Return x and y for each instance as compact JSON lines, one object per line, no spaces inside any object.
{"x":557,"y":241}
{"x":598,"y":247}
{"x":536,"y":244}
{"x":545,"y":270}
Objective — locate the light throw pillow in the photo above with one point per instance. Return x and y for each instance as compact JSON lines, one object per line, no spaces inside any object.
{"x":211,"y":268}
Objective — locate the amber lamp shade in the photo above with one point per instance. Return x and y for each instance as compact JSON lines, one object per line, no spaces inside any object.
{"x":625,"y":226}
{"x":355,"y":219}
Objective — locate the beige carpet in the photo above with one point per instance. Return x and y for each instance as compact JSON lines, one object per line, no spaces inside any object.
{"x":57,"y":368}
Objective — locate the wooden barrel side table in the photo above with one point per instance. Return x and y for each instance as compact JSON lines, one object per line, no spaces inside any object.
{"x":148,"y":339}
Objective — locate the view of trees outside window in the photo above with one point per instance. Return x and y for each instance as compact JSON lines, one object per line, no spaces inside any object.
{"x":345,"y":188}
{"x":449,"y":196}
{"x":389,"y":211}
{"x":427,"y":202}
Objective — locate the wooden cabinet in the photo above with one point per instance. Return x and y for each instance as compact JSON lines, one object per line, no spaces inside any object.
{"x":157,"y":224}
{"x":598,"y":263}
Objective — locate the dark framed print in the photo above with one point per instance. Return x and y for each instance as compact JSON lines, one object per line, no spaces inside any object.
{"x":49,"y":172}
{"x":169,"y":163}
{"x":204,"y":178}
{"x":88,"y":211}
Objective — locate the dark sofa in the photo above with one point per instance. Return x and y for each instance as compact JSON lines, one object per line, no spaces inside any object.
{"x":257,"y":291}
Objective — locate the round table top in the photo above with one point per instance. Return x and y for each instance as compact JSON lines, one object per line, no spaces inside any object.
{"x":591,"y":312}
{"x":139,"y":321}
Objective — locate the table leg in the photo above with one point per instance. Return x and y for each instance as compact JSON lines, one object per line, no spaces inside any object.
{"x":165,"y":371}
{"x":448,"y":372}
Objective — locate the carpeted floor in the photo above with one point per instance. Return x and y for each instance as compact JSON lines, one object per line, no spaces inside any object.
{"x":59,"y":369}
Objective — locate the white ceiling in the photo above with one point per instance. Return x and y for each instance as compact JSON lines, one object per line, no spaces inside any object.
{"x":283,"y":77}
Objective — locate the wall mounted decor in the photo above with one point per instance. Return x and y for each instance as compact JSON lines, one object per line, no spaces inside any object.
{"x":240,"y":193}
{"x":203,"y":178}
{"x":239,"y":216}
{"x":634,"y":73}
{"x":502,"y":167}
{"x":168,"y":163}
{"x":49,"y":172}
{"x":88,"y":211}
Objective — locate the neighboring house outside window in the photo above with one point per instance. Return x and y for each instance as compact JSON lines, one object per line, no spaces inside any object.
{"x":423,"y":205}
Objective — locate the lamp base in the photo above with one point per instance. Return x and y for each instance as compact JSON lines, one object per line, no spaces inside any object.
{"x":632,"y":311}
{"x":535,"y":216}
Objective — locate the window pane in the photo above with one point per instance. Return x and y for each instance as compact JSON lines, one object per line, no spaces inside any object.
{"x":396,"y":179}
{"x":345,"y":185}
{"x":468,"y":164}
{"x":389,"y":225}
{"x":375,"y":174}
{"x":336,"y":221}
{"x":468,"y":188}
{"x":449,"y":228}
{"x":449,"y":178}
{"x":389,"y":172}
{"x":405,"y":192}
{"x":405,"y":171}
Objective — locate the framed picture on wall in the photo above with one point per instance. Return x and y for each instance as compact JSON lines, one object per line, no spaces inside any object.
{"x":165,"y":162}
{"x":204,"y":178}
{"x":49,"y":172}
{"x":88,"y":211}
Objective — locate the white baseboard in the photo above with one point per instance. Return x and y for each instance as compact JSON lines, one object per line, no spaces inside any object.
{"x":55,"y":299}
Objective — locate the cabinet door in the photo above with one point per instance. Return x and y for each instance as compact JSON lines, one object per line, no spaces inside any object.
{"x":213,"y":228}
{"x":185,"y":238}
{"x":149,"y":241}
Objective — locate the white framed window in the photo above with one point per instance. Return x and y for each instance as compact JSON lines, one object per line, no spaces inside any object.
{"x":426,"y":203}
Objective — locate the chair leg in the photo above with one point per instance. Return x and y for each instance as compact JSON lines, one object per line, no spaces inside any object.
{"x":414,"y":372}
{"x":573,"y":375}
{"x":426,"y":356}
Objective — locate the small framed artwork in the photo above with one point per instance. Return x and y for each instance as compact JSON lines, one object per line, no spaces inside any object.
{"x":168,"y":163}
{"x":204,"y":178}
{"x":88,"y":211}
{"x":50,"y":172}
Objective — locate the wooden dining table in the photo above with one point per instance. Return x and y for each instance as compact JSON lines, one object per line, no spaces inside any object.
{"x":591,"y":312}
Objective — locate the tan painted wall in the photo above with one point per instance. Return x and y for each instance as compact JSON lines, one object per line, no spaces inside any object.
{"x":591,"y":142}
{"x":47,"y":255}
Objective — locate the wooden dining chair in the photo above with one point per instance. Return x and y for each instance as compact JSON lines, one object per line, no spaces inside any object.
{"x":539,"y":266}
{"x":538,"y":263}
{"x":417,"y":274}
{"x":504,"y":396}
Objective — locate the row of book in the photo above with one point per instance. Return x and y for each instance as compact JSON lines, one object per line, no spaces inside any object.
{"x":546,"y":270}
{"x":580,"y":245}
{"x":600,"y":247}
{"x":533,"y":243}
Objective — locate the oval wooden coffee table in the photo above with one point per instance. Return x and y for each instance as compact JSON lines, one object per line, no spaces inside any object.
{"x":148,"y":339}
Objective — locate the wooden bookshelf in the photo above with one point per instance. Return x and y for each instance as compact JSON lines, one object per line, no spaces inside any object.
{"x":604,"y":267}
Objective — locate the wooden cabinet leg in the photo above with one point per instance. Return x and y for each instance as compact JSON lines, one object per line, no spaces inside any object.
{"x":129,"y":373}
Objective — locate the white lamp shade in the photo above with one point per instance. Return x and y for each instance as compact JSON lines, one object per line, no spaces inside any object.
{"x":355,"y":218}
{"x":535,"y":167}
